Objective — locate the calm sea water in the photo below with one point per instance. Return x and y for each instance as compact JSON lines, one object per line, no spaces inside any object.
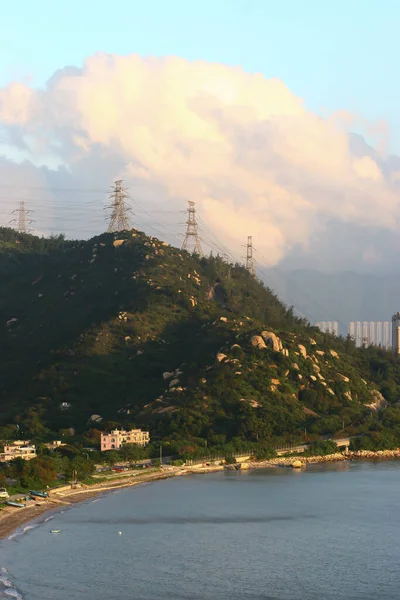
{"x":330,"y":532}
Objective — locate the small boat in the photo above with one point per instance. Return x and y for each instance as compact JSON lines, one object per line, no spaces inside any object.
{"x":17,"y":504}
{"x":55,"y":531}
{"x":39,"y":494}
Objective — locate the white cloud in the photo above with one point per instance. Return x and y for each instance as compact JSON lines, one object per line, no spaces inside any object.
{"x":244,"y":147}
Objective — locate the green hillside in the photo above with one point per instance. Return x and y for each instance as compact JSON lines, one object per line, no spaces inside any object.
{"x":135,"y":332}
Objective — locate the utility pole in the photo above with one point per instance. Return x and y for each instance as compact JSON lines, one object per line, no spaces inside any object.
{"x":22,"y":221}
{"x":192,"y":237}
{"x":249,"y":255}
{"x":119,"y":219}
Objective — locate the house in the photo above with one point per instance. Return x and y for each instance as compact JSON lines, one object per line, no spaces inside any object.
{"x":119,"y":437}
{"x":54,"y":444}
{"x":18,"y":449}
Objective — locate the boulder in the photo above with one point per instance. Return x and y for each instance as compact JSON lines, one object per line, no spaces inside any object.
{"x":258,"y":342}
{"x":272,"y":340}
{"x":297,"y":464}
{"x":379,"y":401}
{"x":224,"y":319}
{"x":334,"y":353}
{"x":340,"y":377}
{"x":316,"y":369}
{"x":173,"y":383}
{"x":167,"y":375}
{"x":118,"y":243}
{"x":302,"y":350}
{"x":220,"y":356}
{"x":295,"y":366}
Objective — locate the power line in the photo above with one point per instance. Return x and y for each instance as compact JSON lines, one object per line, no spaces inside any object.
{"x":192,"y":232}
{"x":119,"y":219}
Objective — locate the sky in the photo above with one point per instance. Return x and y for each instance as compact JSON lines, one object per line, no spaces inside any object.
{"x":335,"y":54}
{"x":273,"y":92}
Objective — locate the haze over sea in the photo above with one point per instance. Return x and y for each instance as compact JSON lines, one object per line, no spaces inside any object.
{"x":330,"y":532}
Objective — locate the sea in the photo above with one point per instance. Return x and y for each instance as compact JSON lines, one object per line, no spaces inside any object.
{"x":328,"y":532}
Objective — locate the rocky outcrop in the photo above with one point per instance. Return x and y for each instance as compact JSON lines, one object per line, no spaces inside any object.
{"x":379,"y":401}
{"x":272,"y":340}
{"x":258,"y":342}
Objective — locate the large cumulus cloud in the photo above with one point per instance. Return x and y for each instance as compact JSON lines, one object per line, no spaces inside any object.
{"x":244,"y":147}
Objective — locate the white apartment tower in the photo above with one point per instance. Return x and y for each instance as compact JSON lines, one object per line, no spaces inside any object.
{"x":396,"y":333}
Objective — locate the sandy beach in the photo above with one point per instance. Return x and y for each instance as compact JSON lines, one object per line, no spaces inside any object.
{"x":12,"y":518}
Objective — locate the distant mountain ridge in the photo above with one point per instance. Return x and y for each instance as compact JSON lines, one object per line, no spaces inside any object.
{"x":341,"y":297}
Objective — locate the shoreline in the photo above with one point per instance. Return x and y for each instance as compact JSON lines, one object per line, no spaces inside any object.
{"x":12,"y":519}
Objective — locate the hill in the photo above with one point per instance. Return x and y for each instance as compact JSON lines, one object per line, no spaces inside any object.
{"x":126,"y":330}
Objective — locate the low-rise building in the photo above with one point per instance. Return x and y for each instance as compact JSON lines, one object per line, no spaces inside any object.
{"x":18,"y":449}
{"x":54,"y":444}
{"x":119,"y":437}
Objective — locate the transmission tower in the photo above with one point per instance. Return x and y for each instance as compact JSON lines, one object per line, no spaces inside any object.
{"x":192,"y":238}
{"x":21,"y":220}
{"x":119,"y":219}
{"x":249,"y":255}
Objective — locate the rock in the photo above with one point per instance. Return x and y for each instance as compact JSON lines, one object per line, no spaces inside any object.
{"x":224,"y":319}
{"x":320,"y":352}
{"x":235,"y":346}
{"x":203,"y":380}
{"x":11,"y":321}
{"x":173,"y":383}
{"x":285,"y":352}
{"x":340,"y":377}
{"x":128,"y":338}
{"x":330,"y":390}
{"x":348,"y":395}
{"x":302,"y":350}
{"x":299,"y":376}
{"x":295,"y":366}
{"x":334,"y":353}
{"x":275,"y":381}
{"x":258,"y":342}
{"x":316,"y":369}
{"x":139,"y":352}
{"x":272,"y":340}
{"x":220,"y":356}
{"x":379,"y":401}
{"x":118,"y":243}
{"x":313,"y":378}
{"x":297,"y":464}
{"x":313,"y":342}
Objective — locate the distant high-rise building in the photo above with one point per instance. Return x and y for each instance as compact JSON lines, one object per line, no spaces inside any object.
{"x":352,"y":330}
{"x":373,"y":332}
{"x":358,"y":333}
{"x":379,"y":334}
{"x":386,"y":334}
{"x":328,"y":327}
{"x":396,"y":333}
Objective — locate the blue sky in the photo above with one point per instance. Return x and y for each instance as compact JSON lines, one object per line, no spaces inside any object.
{"x":336,"y":54}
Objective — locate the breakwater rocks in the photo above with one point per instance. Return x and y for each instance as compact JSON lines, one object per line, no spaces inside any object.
{"x":290,"y":461}
{"x":382,"y":454}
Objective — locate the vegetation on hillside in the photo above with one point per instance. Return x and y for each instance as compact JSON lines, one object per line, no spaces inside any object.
{"x":124,"y":330}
